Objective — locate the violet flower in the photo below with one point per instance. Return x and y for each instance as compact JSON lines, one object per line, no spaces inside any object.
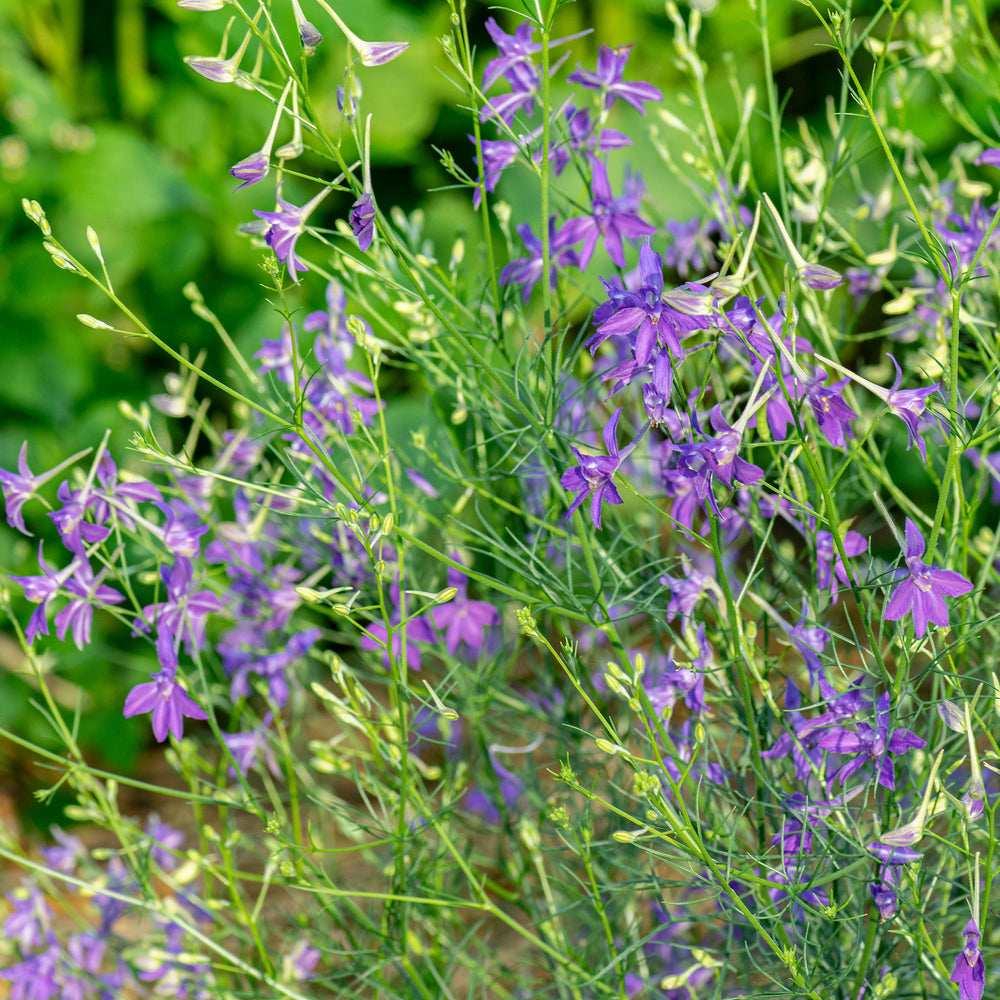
{"x":515,"y":50}
{"x":286,"y":226}
{"x":462,"y":620}
{"x":925,"y":587}
{"x":643,"y":312}
{"x":86,"y":591}
{"x":41,"y":590}
{"x":362,"y":220}
{"x":217,"y":69}
{"x":19,"y":487}
{"x":257,"y":166}
{"x":831,"y":572}
{"x":308,"y":33}
{"x":611,"y":219}
{"x":498,"y":155}
{"x":185,"y":611}
{"x":252,"y":748}
{"x":163,"y":696}
{"x":870,"y":745}
{"x":581,"y":135}
{"x":526,"y":271}
{"x":370,"y":53}
{"x":608,"y":80}
{"x":594,"y":475}
{"x":969,"y":972}
{"x":362,"y":215}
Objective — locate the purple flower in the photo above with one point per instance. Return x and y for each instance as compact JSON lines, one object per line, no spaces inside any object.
{"x":832,"y":414}
{"x":31,"y":918}
{"x":612,"y":219}
{"x":830,"y":568}
{"x":462,"y":620}
{"x":924,"y":589}
{"x":252,"y":748}
{"x":717,"y":457}
{"x":182,"y":528}
{"x":969,"y":973}
{"x":362,"y":220}
{"x":581,"y":135}
{"x":19,"y":487}
{"x":509,"y":785}
{"x":608,"y":80}
{"x":693,"y":247}
{"x":308,"y":33}
{"x":498,"y":155}
{"x":909,"y":405}
{"x":110,"y":493}
{"x":515,"y":50}
{"x":893,"y":855}
{"x":594,"y":475}
{"x":988,"y":158}
{"x":40,"y":590}
{"x":286,"y":226}
{"x":252,"y":169}
{"x":527,"y":270}
{"x":185,"y":611}
{"x":163,"y":696}
{"x":870,"y":745}
{"x":643,"y":312}
{"x":87,"y":591}
{"x":299,"y":963}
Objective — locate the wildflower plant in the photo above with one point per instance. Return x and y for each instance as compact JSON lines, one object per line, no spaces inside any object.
{"x":649,"y":661}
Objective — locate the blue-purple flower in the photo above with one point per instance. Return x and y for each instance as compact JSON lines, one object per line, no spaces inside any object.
{"x":362,"y":220}
{"x":870,"y":744}
{"x":923,"y":590}
{"x":594,"y":476}
{"x":286,"y":225}
{"x":163,"y":696}
{"x":969,"y":972}
{"x":608,"y":80}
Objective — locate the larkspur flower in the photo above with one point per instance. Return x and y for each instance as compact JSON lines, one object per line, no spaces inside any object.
{"x":308,"y":33}
{"x":286,"y":225}
{"x":925,"y":587}
{"x":252,"y":748}
{"x":527,"y":271}
{"x":831,"y":572}
{"x":969,"y":971}
{"x":362,"y":220}
{"x":463,"y":620}
{"x":257,"y":166}
{"x":907,"y":404}
{"x":608,"y":80}
{"x":41,"y":590}
{"x":643,"y":313}
{"x":516,"y":49}
{"x":86,"y":592}
{"x":370,"y":53}
{"x":870,"y":744}
{"x":362,"y":215}
{"x":163,"y":696}
{"x":594,"y":476}
{"x":185,"y":611}
{"x":217,"y":68}
{"x":611,"y":219}
{"x":583,"y":135}
{"x":19,"y":487}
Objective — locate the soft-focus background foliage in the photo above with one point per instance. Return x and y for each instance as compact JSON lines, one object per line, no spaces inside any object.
{"x":101,"y":122}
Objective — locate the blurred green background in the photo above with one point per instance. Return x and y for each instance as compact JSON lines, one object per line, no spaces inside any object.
{"x":103,"y":123}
